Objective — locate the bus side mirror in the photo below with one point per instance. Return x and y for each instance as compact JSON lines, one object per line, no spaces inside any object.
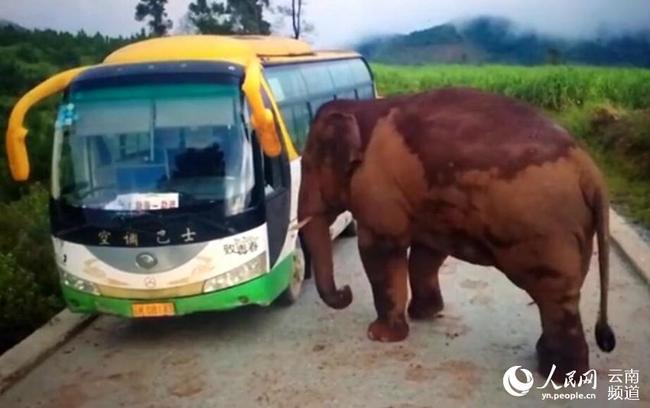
{"x":16,"y":132}
{"x":266,"y":132}
{"x":261,"y":116}
{"x":17,"y":153}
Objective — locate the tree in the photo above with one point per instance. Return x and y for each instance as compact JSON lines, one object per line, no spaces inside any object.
{"x":298,"y":23}
{"x":247,"y":16}
{"x":209,"y":17}
{"x":553,"y":56}
{"x":229,"y":17}
{"x":158,"y":22}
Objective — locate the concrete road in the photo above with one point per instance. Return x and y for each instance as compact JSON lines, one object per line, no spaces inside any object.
{"x":311,"y":356}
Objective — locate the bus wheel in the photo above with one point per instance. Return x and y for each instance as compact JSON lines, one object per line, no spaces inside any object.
{"x":292,"y":292}
{"x":350,"y":230}
{"x":306,"y":257}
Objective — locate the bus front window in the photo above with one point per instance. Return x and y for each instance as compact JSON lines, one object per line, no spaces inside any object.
{"x":153,"y":147}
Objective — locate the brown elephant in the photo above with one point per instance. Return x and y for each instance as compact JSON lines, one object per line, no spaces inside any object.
{"x":458,"y":172}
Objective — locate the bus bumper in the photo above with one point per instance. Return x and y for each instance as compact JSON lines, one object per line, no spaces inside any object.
{"x":259,"y":291}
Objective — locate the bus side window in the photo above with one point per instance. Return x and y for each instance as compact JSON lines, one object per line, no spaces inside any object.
{"x":320,"y":85}
{"x":318,"y":79}
{"x":362,"y":79}
{"x":290,"y":93}
{"x":296,"y":117}
{"x":316,"y":103}
{"x":301,"y":89}
{"x":366,"y":92}
{"x":341,"y":73}
{"x":359,"y":70}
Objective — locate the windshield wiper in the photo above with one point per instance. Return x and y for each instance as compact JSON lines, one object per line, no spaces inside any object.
{"x":220,"y":226}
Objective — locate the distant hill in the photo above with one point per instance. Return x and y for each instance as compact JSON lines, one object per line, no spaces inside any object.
{"x":7,"y":23}
{"x":498,"y":40}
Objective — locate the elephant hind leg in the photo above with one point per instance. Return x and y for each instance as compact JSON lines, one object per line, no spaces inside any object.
{"x":562,"y":343}
{"x":386,"y":267}
{"x":552,"y":272}
{"x":426,"y":298}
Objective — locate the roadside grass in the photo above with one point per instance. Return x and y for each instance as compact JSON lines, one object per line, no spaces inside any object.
{"x":29,"y":293}
{"x":619,"y":141}
{"x":607,"y":109}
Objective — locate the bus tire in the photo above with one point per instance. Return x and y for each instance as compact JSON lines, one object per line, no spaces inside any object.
{"x":307,"y":257}
{"x":292,"y":292}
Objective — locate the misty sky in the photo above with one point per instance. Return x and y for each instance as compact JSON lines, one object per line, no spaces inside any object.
{"x":341,"y":22}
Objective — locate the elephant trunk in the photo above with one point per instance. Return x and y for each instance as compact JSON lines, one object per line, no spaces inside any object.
{"x":319,"y":243}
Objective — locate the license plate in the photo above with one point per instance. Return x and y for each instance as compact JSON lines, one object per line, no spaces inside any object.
{"x":153,"y":309}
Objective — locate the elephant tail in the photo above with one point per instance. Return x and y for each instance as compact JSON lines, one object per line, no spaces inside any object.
{"x":604,"y":333}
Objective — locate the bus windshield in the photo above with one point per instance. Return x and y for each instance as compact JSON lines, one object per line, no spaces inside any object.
{"x":152,"y":147}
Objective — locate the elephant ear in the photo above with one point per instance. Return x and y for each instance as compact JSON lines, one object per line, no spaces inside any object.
{"x":343,"y":137}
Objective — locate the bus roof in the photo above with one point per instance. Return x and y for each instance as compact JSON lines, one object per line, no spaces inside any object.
{"x":239,"y":49}
{"x":318,"y":55}
{"x":247,"y":51}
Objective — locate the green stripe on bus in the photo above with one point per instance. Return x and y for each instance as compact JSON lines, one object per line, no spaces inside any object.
{"x":260,"y":291}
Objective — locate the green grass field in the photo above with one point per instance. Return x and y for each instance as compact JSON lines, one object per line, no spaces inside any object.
{"x":549,"y":87}
{"x":607,"y":109}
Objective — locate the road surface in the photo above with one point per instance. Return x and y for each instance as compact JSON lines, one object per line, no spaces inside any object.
{"x":311,"y":356}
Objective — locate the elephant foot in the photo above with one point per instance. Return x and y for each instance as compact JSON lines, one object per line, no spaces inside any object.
{"x":385,"y":332}
{"x":424,"y":310}
{"x":567,"y":359}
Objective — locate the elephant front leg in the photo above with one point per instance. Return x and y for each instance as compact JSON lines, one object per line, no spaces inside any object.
{"x":386,"y":266}
{"x":424,"y":264}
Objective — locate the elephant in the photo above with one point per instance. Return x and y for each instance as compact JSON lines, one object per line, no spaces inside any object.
{"x":459,"y":172}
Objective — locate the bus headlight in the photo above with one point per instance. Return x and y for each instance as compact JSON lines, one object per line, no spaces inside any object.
{"x":79,"y":284}
{"x":245,"y":272}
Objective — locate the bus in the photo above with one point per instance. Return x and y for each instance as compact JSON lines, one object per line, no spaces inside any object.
{"x":176,"y":169}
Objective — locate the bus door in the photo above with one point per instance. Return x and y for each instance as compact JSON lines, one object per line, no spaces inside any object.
{"x":277,"y":191}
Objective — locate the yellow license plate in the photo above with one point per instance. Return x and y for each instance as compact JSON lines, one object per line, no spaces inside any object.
{"x":152,"y":309}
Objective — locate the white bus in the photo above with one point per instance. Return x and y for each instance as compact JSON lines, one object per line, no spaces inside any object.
{"x":176,"y":169}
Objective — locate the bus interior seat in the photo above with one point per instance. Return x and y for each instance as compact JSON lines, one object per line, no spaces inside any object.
{"x":203,"y":159}
{"x":104,"y":156}
{"x":139,"y":177}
